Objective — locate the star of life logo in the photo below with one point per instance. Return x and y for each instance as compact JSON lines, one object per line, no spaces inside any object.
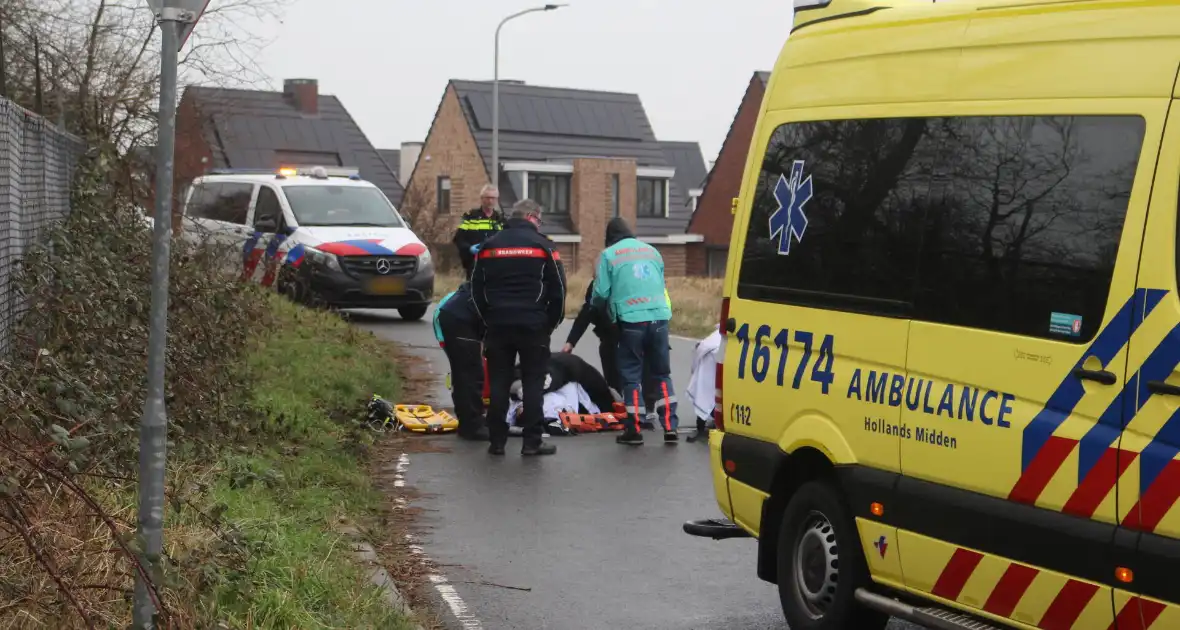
{"x":788,"y":222}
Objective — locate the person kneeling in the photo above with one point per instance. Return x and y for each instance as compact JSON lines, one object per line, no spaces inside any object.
{"x":459,"y":331}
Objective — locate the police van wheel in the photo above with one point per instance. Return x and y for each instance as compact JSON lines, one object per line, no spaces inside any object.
{"x":821,"y":564}
{"x":412,"y":313}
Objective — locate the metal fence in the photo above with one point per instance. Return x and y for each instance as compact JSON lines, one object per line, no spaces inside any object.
{"x":37,"y":162}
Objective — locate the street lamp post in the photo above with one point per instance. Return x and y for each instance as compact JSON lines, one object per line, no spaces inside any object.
{"x":495,"y":174}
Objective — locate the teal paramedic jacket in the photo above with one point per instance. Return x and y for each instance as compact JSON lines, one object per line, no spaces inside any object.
{"x":630,"y":279}
{"x":438,"y":309}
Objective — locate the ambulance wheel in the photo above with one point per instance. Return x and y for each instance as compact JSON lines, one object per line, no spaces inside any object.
{"x":821,"y":563}
{"x":412,"y":313}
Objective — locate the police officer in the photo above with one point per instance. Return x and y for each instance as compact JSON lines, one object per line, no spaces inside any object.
{"x":460,"y":333}
{"x":477,"y":225}
{"x":629,"y":280}
{"x":519,"y":287}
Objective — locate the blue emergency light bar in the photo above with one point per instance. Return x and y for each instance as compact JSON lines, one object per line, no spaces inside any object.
{"x":318,"y":172}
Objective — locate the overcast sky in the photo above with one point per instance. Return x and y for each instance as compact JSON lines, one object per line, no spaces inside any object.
{"x":389,"y":60}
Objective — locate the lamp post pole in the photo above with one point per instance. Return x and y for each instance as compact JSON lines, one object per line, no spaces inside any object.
{"x":495,"y":174}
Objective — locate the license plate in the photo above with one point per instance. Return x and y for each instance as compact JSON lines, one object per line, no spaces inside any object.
{"x":387,"y":286}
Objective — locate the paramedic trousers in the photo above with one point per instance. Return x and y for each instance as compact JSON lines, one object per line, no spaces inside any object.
{"x":608,"y":357}
{"x":503,"y":346}
{"x":643,"y":347}
{"x":463,"y":347}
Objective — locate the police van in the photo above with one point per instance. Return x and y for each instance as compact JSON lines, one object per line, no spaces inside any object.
{"x":948,"y":387}
{"x":320,"y":234}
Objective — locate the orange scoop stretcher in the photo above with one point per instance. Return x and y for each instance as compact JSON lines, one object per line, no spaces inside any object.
{"x":589,"y":423}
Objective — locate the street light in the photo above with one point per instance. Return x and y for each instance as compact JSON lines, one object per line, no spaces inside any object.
{"x":496,"y":89}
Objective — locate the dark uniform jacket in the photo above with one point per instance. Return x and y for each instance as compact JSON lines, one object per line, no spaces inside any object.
{"x":570,"y":368}
{"x":462,"y":307}
{"x":474,"y":228}
{"x":518,"y":279}
{"x":604,"y":328}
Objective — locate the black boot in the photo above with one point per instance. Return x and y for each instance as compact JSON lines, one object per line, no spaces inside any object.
{"x":630,"y":437}
{"x":480,"y":434}
{"x":530,"y":450}
{"x":701,"y":434}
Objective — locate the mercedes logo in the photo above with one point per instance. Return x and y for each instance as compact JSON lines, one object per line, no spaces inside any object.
{"x":384,"y":266}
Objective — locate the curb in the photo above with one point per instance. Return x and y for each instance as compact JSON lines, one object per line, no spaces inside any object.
{"x":378,"y":576}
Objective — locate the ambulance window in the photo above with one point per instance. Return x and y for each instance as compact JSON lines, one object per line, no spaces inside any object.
{"x":838,"y":213}
{"x":1025,"y":219}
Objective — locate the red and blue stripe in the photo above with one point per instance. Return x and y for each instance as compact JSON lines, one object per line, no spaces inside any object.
{"x":1042,"y":453}
{"x":1130,"y":400}
{"x":369,"y":247}
{"x":295,"y":255}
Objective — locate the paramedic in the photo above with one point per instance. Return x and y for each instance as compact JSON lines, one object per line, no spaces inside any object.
{"x":477,"y":225}
{"x":608,"y":344}
{"x":629,"y":280}
{"x":460,"y":332}
{"x":519,"y":287}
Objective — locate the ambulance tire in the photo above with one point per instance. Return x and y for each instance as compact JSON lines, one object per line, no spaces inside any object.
{"x":821,"y":563}
{"x":412,"y":313}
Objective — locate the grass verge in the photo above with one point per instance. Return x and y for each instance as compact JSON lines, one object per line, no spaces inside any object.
{"x":696,"y":302}
{"x":285,"y":501}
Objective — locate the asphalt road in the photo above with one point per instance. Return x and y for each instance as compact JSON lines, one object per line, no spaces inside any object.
{"x":593,"y":532}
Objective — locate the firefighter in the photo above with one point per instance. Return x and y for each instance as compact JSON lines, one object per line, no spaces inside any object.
{"x":460,"y":333}
{"x":629,"y":280}
{"x":519,"y":287}
{"x":477,"y":225}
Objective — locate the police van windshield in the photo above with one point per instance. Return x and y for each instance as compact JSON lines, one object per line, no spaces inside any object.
{"x":341,"y":205}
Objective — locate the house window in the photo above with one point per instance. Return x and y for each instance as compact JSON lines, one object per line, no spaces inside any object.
{"x":551,"y":191}
{"x":444,"y":194}
{"x":652,"y":197}
{"x":614,"y":194}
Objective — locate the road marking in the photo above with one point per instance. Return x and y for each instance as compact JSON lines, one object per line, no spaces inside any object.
{"x":458,"y":607}
{"x":399,"y":477}
{"x":446,"y":590}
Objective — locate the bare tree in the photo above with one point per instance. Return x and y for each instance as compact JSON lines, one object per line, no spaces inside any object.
{"x":103,"y":58}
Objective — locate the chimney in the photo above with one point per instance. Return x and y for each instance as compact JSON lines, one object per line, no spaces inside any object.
{"x":409,"y":159}
{"x":304,"y":94}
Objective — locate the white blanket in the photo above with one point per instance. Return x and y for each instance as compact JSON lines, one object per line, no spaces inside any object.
{"x":567,"y":398}
{"x":702,"y":388}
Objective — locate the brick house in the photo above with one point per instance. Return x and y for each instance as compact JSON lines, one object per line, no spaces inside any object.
{"x":585,"y":156}
{"x":231,"y":128}
{"x":713,"y":217}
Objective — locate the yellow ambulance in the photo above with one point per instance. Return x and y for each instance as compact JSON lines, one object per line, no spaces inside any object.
{"x":949,"y":386}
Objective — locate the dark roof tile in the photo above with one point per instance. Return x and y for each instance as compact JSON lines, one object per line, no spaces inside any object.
{"x":393,"y":159}
{"x":546,"y":123}
{"x":689,"y":163}
{"x":249,"y":127}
